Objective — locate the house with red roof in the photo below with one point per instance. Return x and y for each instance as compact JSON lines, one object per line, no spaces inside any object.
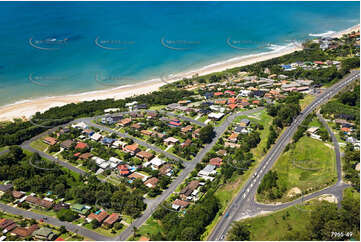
{"x":123,"y":170}
{"x":50,"y":140}
{"x":232,"y":93}
{"x":232,"y":106}
{"x":216,"y":161}
{"x":217,"y":94}
{"x":113,"y":218}
{"x":132,"y":149}
{"x":81,"y":146}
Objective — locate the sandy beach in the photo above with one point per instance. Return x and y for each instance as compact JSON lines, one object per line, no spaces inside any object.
{"x":25,"y":109}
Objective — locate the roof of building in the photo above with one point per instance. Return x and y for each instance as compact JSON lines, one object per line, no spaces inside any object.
{"x":81,"y":145}
{"x":181,"y":203}
{"x":114,"y":217}
{"x":50,"y":140}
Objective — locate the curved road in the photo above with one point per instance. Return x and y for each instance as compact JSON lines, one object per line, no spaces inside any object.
{"x":244,"y":201}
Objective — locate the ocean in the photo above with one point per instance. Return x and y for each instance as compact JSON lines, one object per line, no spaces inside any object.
{"x":59,"y":48}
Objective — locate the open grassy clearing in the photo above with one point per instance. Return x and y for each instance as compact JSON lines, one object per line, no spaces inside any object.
{"x":310,"y":165}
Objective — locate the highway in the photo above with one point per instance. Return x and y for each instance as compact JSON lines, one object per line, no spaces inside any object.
{"x":244,"y":201}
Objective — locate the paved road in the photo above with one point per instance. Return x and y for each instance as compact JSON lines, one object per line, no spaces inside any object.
{"x":53,"y":221}
{"x":335,"y":145}
{"x":244,"y":201}
{"x":154,"y":203}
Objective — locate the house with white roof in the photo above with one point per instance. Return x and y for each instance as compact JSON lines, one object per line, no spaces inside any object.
{"x":96,"y":136}
{"x":215,"y":116}
{"x":80,"y":125}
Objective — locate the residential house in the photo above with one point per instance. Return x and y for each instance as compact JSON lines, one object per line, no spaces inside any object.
{"x":44,"y":233}
{"x":156,"y":163}
{"x":113,"y":218}
{"x":170,"y":141}
{"x":216,"y":161}
{"x":216,"y":116}
{"x":61,"y":205}
{"x":100,"y":216}
{"x":137,"y":175}
{"x":17,"y":194}
{"x":187,"y":191}
{"x":135,"y":126}
{"x":85,"y":156}
{"x":123,"y":170}
{"x":124,"y":122}
{"x":179,"y":204}
{"x":7,"y":225}
{"x":81,"y":146}
{"x":80,"y":125}
{"x":233,"y":137}
{"x":186,"y":143}
{"x":96,"y":136}
{"x":208,"y":170}
{"x":25,"y":232}
{"x":80,"y":208}
{"x":5,"y":187}
{"x":38,"y":202}
{"x":50,"y":140}
{"x":231,"y":145}
{"x":244,"y":122}
{"x":222,"y":152}
{"x":187,"y":129}
{"x":145,"y":155}
{"x":66,"y":144}
{"x":166,"y":169}
{"x":146,"y":132}
{"x":132,"y":149}
{"x":152,"y":182}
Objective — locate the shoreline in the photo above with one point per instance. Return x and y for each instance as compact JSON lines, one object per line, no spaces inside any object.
{"x":26,"y":108}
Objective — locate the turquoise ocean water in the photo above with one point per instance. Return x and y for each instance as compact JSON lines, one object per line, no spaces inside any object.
{"x":57,"y":48}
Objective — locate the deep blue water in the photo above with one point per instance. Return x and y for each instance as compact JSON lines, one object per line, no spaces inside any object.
{"x":49,"y":48}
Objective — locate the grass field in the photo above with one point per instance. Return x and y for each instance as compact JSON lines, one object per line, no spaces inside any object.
{"x":39,"y":145}
{"x":289,"y":219}
{"x":310,"y":165}
{"x":306,"y":101}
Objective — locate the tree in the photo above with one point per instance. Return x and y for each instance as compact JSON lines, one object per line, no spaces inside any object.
{"x":66,"y":215}
{"x":206,"y":134}
{"x":239,"y":232}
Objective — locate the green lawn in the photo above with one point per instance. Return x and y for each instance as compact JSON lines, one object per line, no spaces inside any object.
{"x":151,"y":226}
{"x":310,"y":165}
{"x":39,"y":145}
{"x":157,"y":107}
{"x":273,"y":227}
{"x":306,"y":101}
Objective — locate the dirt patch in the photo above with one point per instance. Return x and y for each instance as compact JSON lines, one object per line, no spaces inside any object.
{"x":328,"y":198}
{"x":294,"y":191}
{"x":329,"y":146}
